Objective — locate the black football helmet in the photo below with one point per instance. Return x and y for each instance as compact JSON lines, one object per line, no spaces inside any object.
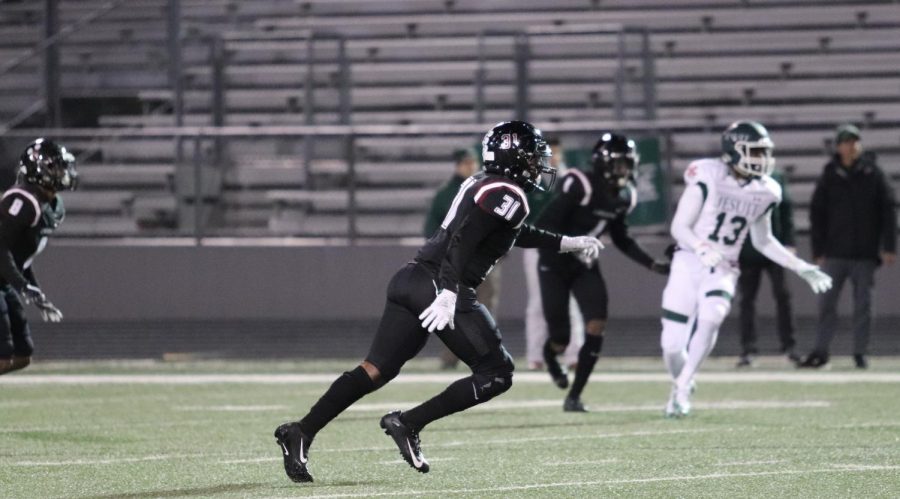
{"x":48,"y":165}
{"x":614,"y":159}
{"x":518,"y":151}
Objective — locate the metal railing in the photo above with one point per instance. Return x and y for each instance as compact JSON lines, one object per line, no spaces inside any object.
{"x":625,"y":74}
{"x":48,"y":50}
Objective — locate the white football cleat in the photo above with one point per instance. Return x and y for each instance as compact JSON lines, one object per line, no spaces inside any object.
{"x":682,"y":402}
{"x":670,"y":405}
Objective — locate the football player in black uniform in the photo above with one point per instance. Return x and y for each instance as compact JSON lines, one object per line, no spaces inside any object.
{"x":435,"y":293}
{"x":29,"y":212}
{"x":587,"y":203}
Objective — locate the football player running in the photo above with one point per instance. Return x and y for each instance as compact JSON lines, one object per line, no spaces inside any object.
{"x":724,"y":200}
{"x":29,"y":212}
{"x":435,"y":293}
{"x":587,"y":203}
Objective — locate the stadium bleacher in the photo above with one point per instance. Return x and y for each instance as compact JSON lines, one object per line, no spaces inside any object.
{"x":800,"y":67}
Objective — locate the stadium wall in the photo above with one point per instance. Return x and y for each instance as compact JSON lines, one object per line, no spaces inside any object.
{"x":134,"y":283}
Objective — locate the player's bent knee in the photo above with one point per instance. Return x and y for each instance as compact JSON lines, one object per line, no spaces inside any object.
{"x":673,"y":339}
{"x":488,"y":386}
{"x":375,"y":374}
{"x":595,"y":327}
{"x":715,"y":312}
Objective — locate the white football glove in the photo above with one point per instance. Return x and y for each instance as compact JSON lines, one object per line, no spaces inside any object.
{"x":440,"y":313}
{"x":49,"y":312}
{"x":32,"y":294}
{"x":586,"y":248}
{"x":819,"y":281}
{"x":708,"y":255}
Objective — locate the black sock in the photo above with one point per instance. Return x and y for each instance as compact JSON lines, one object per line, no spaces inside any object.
{"x":347,"y":389}
{"x":459,"y":396}
{"x":587,"y":357}
{"x":551,"y":361}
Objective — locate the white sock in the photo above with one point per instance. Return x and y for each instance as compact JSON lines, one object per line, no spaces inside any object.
{"x":674,"y":346}
{"x":700,"y":346}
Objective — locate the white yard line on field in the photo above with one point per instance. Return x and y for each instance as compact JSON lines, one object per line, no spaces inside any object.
{"x":118,"y":460}
{"x":750,"y":463}
{"x":442,"y":378}
{"x":624,"y":481}
{"x":232,"y":408}
{"x":502,"y":405}
{"x":581,"y":463}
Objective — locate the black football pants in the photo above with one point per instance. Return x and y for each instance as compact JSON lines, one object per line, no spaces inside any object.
{"x":560,"y":276}
{"x":475,"y":340}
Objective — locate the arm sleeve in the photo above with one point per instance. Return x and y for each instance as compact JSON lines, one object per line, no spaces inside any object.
{"x":765,"y":243}
{"x":463,"y":243}
{"x":888,"y":216}
{"x":686,"y":214}
{"x":786,"y":217}
{"x":818,"y":218}
{"x":626,"y":244}
{"x":532,"y":237}
{"x":30,"y":277}
{"x":16,"y":215}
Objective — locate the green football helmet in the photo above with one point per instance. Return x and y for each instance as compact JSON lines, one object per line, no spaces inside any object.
{"x":747,"y":148}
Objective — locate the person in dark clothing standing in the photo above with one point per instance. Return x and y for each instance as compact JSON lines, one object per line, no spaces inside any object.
{"x":587,"y":203}
{"x":465,"y":164}
{"x":854,"y":230}
{"x":435,"y":293}
{"x":753,"y":264}
{"x":29,"y":212}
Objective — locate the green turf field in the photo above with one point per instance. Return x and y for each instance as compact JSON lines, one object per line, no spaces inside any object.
{"x":142,"y":430}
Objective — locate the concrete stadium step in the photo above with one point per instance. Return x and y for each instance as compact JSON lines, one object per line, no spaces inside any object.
{"x":775,"y":17}
{"x":137,"y":176}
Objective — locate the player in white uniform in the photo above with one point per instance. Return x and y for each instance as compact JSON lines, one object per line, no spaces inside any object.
{"x":724,"y":200}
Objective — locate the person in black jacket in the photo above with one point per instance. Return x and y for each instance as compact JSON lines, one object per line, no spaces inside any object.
{"x":587,"y":203}
{"x":435,"y":293}
{"x":854,"y":230}
{"x":29,"y":212}
{"x":753,"y":264}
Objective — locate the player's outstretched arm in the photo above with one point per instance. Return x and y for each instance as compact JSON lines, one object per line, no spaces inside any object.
{"x":765,"y":243}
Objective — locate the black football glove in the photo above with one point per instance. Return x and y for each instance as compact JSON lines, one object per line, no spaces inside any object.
{"x":661,"y":267}
{"x":32,"y":294}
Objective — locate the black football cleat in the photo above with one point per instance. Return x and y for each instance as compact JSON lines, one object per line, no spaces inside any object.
{"x":860,"y":361}
{"x":295,"y":447}
{"x":814,"y":360}
{"x":573,"y":405}
{"x":407,"y":441}
{"x":745,"y":360}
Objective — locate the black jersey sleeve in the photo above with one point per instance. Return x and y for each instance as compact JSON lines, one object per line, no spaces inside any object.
{"x":18,"y":212}
{"x":618,"y":230}
{"x":477,"y":225}
{"x":532,"y":237}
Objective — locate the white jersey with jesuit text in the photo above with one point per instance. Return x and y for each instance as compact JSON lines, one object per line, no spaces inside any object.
{"x":730,"y":204}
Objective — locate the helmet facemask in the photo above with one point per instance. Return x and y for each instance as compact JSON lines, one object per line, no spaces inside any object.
{"x":538,"y":172}
{"x":754,"y":159}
